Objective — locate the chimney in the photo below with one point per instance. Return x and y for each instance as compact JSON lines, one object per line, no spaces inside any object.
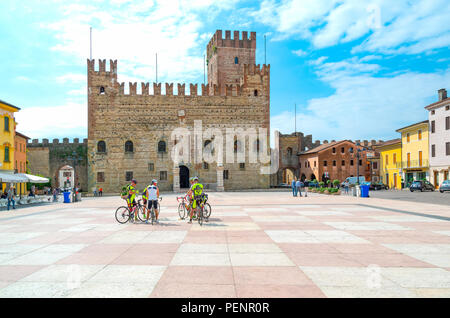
{"x":442,"y":93}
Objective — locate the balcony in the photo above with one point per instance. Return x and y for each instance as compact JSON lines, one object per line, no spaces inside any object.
{"x":415,"y":164}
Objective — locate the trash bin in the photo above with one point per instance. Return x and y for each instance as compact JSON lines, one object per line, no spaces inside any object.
{"x":66,"y":197}
{"x":364,"y":191}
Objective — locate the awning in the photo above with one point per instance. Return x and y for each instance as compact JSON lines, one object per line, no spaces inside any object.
{"x":12,"y":178}
{"x":32,"y":178}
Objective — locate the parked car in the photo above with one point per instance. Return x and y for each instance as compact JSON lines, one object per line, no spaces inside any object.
{"x":354,"y":180}
{"x":445,"y":186}
{"x":376,"y":185}
{"x":421,"y":186}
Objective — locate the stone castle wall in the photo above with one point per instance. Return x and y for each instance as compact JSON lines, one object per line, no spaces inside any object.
{"x":146,"y":119}
{"x":47,"y":158}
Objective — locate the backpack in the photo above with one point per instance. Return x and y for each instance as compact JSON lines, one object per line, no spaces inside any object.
{"x":124,"y":192}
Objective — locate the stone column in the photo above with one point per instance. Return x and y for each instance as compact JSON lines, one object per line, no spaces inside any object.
{"x":220,"y":178}
{"x":176,"y":179}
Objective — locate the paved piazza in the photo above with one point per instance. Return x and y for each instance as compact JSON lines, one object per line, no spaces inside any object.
{"x":257,"y":244}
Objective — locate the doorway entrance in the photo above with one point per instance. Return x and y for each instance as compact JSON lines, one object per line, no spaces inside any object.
{"x":184,"y":177}
{"x":436,"y":179}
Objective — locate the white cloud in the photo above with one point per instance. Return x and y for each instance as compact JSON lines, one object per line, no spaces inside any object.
{"x":300,"y":52}
{"x":134,"y":32}
{"x":58,"y":121}
{"x":71,"y":78}
{"x":400,"y":26}
{"x":363,"y":106}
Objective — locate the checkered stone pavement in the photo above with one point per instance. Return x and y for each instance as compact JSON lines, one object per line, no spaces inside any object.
{"x":256,"y":244}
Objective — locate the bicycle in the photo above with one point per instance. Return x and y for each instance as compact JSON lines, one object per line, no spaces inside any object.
{"x":125,"y":214}
{"x":182,"y":210}
{"x":199,"y":209}
{"x":207,"y":207}
{"x":152,"y":211}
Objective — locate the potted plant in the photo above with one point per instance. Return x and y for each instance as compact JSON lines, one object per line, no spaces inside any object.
{"x":336,"y":183}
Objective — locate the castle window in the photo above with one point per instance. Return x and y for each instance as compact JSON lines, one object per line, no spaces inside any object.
{"x":100,"y":177}
{"x":225,"y":174}
{"x":242,"y":166}
{"x":257,"y":144}
{"x":162,"y":146}
{"x":128,"y":175}
{"x":163,"y":175}
{"x":6,"y":123}
{"x":101,"y":146}
{"x":289,"y":151}
{"x":151,"y":167}
{"x":129,"y":146}
{"x":237,"y":146}
{"x":208,"y":147}
{"x":6,"y":159}
{"x":255,"y":92}
{"x":102,"y":90}
{"x":334,"y":163}
{"x":205,"y":166}
{"x":236,"y":60}
{"x":334,"y":150}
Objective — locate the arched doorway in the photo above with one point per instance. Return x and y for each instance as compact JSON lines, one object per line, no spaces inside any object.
{"x":303,"y":177}
{"x":66,"y":177}
{"x":184,"y":177}
{"x":313,"y":177}
{"x":288,"y":175}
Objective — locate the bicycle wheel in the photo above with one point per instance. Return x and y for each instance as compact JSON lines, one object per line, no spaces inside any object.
{"x":122,"y":214}
{"x":200,"y":215}
{"x":142,"y":213}
{"x":207,"y":211}
{"x":152,"y":213}
{"x":182,"y":210}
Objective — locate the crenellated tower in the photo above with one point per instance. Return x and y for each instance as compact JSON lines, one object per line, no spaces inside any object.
{"x":227,"y":56}
{"x":100,"y":81}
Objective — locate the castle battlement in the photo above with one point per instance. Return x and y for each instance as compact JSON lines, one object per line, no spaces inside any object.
{"x":236,"y":42}
{"x":253,"y":69}
{"x":206,"y":90}
{"x":102,"y":66}
{"x":45,"y":142}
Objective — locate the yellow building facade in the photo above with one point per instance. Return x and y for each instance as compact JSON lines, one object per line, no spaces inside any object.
{"x":415,"y":153}
{"x":390,"y":160}
{"x":7,"y":136}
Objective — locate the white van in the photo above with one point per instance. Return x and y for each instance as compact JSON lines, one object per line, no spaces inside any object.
{"x":354,"y":180}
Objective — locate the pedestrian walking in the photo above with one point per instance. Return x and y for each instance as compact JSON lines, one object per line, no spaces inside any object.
{"x":100,"y":192}
{"x":346,"y":185}
{"x":10,"y":197}
{"x":95,"y":191}
{"x":294,"y":187}
{"x":54,"y":194}
{"x":306,"y":184}
{"x":298,"y":184}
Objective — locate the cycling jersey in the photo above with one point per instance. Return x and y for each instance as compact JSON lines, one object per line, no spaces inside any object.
{"x":131,"y":197}
{"x":152,"y":192}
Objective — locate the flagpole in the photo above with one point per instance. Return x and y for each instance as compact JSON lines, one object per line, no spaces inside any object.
{"x":295,"y":107}
{"x":90,"y":43}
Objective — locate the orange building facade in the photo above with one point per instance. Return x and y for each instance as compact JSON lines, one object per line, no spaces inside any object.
{"x":20,"y":159}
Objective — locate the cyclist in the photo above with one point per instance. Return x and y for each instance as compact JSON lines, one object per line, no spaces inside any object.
{"x":131,"y":199}
{"x":189,"y":195}
{"x":196,"y":192}
{"x":152,"y":193}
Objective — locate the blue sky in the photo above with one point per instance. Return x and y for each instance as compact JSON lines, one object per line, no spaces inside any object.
{"x":356,"y":69}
